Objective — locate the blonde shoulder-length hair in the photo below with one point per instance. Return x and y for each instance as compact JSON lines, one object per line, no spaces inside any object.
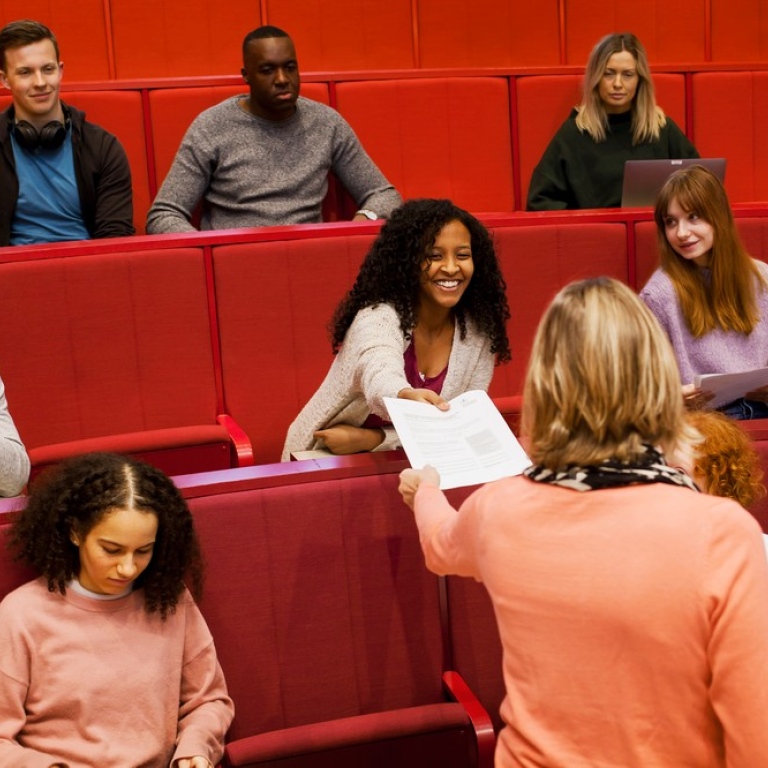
{"x":726,"y":299}
{"x":647,"y":117}
{"x":602,"y":380}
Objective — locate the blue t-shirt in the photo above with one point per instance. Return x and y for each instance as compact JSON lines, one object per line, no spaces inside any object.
{"x":48,"y":207}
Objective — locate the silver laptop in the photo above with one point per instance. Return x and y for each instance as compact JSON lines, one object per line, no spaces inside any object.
{"x":644,"y":178}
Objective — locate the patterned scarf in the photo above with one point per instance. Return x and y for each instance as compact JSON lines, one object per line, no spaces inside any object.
{"x":649,"y":468}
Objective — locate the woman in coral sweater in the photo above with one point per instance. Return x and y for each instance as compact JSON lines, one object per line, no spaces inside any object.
{"x":632,"y":609}
{"x":106,"y":659}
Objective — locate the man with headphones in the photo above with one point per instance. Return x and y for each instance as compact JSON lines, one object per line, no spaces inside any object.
{"x":263,"y":158}
{"x":62,"y":177}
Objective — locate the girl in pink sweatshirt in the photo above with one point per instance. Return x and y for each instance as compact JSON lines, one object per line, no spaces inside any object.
{"x":106,"y":659}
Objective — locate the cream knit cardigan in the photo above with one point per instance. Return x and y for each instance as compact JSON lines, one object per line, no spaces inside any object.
{"x":369,"y":367}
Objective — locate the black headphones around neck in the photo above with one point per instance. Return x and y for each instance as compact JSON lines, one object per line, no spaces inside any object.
{"x":50,"y":136}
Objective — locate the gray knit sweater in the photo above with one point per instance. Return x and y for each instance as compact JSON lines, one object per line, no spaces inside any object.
{"x":252,"y":172}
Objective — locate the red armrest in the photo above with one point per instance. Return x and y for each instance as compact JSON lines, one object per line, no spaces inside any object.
{"x":240,"y":441}
{"x":331,"y":734}
{"x":458,"y":690}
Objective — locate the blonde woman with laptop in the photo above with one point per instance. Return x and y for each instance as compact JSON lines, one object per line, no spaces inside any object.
{"x":618,"y":120}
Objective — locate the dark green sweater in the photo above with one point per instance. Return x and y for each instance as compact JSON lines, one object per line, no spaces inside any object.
{"x":577,"y":172}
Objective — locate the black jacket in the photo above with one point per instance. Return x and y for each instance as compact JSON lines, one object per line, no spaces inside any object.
{"x":101,"y":170}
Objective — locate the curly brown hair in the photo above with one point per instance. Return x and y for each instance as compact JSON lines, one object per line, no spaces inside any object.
{"x":726,"y":462}
{"x":75,"y":495}
{"x":392,"y":269}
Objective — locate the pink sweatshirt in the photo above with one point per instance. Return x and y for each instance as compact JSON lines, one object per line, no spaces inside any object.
{"x":85,"y":682}
{"x":634,"y":621}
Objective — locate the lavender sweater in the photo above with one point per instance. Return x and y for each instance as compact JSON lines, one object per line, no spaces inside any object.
{"x":252,"y":172}
{"x":716,"y":352}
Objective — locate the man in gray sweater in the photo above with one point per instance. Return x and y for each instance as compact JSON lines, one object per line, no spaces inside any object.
{"x":263,"y":159}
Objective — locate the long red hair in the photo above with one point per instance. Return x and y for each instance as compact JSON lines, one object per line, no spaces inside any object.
{"x":728,"y":300}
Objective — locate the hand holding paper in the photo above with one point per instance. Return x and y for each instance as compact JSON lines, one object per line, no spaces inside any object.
{"x":468,"y":444}
{"x":728,"y":387}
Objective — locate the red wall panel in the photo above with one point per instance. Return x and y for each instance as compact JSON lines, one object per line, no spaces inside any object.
{"x":346,"y":34}
{"x":487,"y":33}
{"x":730,"y":115}
{"x":739,"y":30}
{"x":441,"y":137}
{"x":81,"y":33}
{"x":177,"y":38}
{"x":670,"y":31}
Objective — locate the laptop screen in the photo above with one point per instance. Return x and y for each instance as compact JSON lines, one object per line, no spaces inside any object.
{"x":644,"y":178}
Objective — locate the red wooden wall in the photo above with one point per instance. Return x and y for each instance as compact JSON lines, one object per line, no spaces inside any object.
{"x":121,"y":39}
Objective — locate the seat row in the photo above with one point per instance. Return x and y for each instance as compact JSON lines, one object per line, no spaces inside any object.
{"x":330,"y":631}
{"x":338,"y":646}
{"x":197,"y":351}
{"x":472,"y":137}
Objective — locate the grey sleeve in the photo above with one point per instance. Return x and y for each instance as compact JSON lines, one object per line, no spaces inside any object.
{"x":184,"y":186}
{"x":14,"y":462}
{"x":360,"y":176}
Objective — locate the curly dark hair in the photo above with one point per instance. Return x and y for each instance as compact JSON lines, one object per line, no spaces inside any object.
{"x":75,"y":495}
{"x":392,"y":269}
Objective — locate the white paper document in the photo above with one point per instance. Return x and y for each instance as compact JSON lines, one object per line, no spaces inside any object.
{"x":728,"y":387}
{"x":468,"y":444}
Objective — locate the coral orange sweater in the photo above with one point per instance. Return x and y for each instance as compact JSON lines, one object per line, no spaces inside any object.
{"x":634,"y":621}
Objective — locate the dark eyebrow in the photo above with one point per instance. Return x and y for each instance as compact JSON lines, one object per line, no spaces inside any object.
{"x":102,"y":540}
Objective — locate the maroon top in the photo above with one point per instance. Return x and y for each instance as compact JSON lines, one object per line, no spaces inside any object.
{"x":415,"y":379}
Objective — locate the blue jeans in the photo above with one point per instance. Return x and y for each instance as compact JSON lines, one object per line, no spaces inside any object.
{"x":743,"y":409}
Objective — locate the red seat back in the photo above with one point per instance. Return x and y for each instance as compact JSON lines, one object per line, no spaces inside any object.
{"x":443,"y":137}
{"x":99,"y":345}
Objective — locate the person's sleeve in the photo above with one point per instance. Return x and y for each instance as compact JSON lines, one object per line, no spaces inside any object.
{"x":360,"y":176}
{"x":374,"y":343}
{"x":13,"y":692}
{"x":14,"y":461}
{"x":183,"y":188}
{"x":205,"y":709}
{"x":549,"y":189}
{"x":655,"y":298}
{"x":390,"y":442}
{"x":12,"y":719}
{"x":738,"y":600}
{"x":114,"y":193}
{"x":447,"y":536}
{"x":482,"y":372}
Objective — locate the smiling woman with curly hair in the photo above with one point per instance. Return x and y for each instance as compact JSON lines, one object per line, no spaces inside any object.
{"x":106,"y":658}
{"x":425,"y":320}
